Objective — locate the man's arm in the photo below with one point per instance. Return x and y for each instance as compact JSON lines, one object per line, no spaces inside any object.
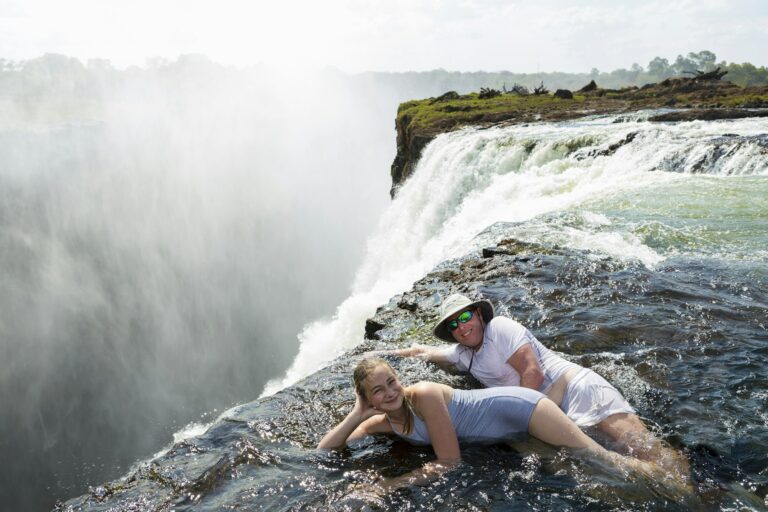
{"x":425,"y":352}
{"x":525,"y":363}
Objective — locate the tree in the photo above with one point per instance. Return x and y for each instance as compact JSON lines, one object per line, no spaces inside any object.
{"x":704,"y":60}
{"x":747,"y":74}
{"x":99,"y":65}
{"x":684,"y":65}
{"x":660,"y":68}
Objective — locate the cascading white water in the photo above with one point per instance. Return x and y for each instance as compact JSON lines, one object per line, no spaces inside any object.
{"x":469,"y":180}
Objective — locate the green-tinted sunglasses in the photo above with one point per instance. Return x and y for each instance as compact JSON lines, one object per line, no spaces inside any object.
{"x":464,"y":317}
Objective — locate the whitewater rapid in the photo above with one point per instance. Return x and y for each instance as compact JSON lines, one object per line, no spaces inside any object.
{"x":548,"y":183}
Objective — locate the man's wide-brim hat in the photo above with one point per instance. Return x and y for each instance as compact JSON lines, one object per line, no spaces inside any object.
{"x":452,"y":305}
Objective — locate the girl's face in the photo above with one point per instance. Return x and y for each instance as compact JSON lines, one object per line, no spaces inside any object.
{"x":383,"y":390}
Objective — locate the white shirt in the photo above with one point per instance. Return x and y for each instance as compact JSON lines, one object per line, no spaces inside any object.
{"x":501,"y":339}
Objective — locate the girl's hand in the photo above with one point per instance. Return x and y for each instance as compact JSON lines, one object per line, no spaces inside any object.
{"x":363,"y":495}
{"x":363,"y":409}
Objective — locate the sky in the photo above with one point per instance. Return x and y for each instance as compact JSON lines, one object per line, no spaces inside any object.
{"x":389,"y":35}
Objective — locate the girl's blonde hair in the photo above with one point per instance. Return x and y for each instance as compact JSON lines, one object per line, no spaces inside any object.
{"x":363,"y":369}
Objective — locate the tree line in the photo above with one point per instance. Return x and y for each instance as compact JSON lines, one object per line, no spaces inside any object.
{"x":657,"y":70}
{"x":68,"y":87}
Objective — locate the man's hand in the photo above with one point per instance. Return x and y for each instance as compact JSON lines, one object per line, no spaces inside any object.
{"x":423,"y":352}
{"x":365,"y":493}
{"x":415,"y":350}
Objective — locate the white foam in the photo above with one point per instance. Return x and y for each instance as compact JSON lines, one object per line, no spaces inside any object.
{"x":468,"y":180}
{"x":193,"y":429}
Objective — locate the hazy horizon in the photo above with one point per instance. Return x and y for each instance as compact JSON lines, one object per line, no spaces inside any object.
{"x":354,"y":37}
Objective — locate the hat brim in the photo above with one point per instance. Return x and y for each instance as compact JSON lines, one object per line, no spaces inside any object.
{"x":441,"y":329}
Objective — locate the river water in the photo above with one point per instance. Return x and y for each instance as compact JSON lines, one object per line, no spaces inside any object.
{"x":650,"y":265}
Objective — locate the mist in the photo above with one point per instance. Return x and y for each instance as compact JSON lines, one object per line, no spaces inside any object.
{"x":162,"y":247}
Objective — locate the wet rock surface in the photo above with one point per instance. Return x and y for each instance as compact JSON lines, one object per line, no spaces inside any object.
{"x":678,"y":341}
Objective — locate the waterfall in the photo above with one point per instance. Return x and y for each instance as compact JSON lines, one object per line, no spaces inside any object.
{"x":547,"y":183}
{"x":154,"y":241}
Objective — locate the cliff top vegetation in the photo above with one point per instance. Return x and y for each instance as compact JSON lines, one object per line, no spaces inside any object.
{"x":451,"y":110}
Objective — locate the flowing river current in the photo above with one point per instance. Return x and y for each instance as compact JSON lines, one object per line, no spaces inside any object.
{"x":654,"y":273}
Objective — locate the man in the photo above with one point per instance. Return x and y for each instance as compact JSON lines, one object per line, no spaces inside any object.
{"x":498,"y":351}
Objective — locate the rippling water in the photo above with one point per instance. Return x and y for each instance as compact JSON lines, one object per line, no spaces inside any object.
{"x":648,"y":264}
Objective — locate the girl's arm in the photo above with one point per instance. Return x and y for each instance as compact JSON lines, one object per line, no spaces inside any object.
{"x":429,"y":402}
{"x":361,"y":421}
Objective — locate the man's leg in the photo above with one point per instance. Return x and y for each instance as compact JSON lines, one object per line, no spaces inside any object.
{"x":629,"y":431}
{"x":621,"y":427}
{"x":550,"y":424}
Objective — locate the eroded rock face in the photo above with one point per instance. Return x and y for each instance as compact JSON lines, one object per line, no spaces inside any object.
{"x":410,"y":144}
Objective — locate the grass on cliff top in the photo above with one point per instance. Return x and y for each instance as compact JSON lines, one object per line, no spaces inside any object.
{"x":745,"y":100}
{"x":430,"y":114}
